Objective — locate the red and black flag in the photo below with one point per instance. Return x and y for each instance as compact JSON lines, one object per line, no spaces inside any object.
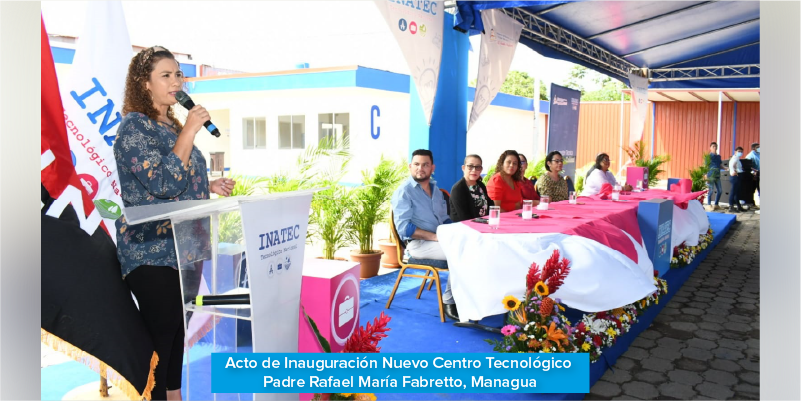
{"x":88,"y":312}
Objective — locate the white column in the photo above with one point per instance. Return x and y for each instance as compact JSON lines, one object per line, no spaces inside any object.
{"x":536,"y":147}
{"x":620,"y":148}
{"x":720,"y":110}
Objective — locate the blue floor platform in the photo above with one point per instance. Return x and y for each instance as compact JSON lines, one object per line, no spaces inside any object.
{"x":415,"y":328}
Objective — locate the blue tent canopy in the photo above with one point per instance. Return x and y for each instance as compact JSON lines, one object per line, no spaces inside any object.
{"x":677,"y":41}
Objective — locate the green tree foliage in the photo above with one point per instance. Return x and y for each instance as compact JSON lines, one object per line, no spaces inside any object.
{"x":580,"y":76}
{"x":518,"y":83}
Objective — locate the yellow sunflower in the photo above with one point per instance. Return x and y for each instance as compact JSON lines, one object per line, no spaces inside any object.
{"x":585,"y":346}
{"x":541,"y":289}
{"x":510,"y":302}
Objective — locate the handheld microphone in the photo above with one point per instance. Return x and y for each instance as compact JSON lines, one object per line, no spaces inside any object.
{"x":187,"y":102}
{"x":217,"y":300}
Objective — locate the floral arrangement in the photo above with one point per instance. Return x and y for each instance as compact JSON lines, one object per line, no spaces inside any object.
{"x":365,"y":339}
{"x":598,"y":330}
{"x":536,"y":324}
{"x":683,"y":255}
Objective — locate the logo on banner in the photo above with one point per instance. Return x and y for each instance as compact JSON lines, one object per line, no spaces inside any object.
{"x":92,"y":104}
{"x":345,"y":313}
{"x":277,"y":237}
{"x":559,"y":101}
{"x":90,"y":184}
{"x":287,"y":263}
{"x":422,"y":56}
{"x":574,"y":102}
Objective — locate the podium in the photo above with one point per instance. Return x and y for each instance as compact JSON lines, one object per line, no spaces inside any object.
{"x":214,"y":240}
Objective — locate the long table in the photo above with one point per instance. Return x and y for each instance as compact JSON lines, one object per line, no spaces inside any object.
{"x":609,"y":265}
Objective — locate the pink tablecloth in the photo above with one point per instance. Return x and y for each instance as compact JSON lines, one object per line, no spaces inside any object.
{"x":595,"y":219}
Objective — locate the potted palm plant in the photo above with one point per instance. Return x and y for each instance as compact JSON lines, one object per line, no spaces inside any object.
{"x":637,"y":153}
{"x":368,"y":205}
{"x":328,"y":219}
{"x":329,"y":208}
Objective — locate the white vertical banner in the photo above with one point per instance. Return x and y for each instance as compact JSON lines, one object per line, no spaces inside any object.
{"x":498,"y":44}
{"x":417,"y":27}
{"x":275,"y":241}
{"x":639,"y":107}
{"x":92,"y":97}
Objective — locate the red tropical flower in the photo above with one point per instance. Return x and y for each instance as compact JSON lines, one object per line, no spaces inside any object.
{"x":597,"y":341}
{"x":532,"y":277}
{"x":555,"y":271}
{"x":366,"y":339}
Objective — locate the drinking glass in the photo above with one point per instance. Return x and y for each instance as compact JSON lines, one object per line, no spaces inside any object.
{"x":545,"y":200}
{"x":494,"y":216}
{"x":527,"y":205}
{"x":571,"y":197}
{"x":639,"y":185}
{"x":616,"y":192}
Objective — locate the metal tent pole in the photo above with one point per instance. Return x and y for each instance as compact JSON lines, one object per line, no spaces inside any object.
{"x":720,"y":109}
{"x":620,"y":149}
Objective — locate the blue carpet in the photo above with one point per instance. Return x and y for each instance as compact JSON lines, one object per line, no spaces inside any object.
{"x":415,"y":328}
{"x":58,"y":380}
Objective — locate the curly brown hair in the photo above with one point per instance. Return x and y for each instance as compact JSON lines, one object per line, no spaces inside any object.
{"x":137,"y":97}
{"x":518,"y":176}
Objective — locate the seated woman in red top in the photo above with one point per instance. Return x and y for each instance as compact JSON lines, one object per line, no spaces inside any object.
{"x":504,"y":187}
{"x":526,"y":186}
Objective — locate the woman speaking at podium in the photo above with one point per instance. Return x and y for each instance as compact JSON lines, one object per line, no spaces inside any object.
{"x":158,"y":163}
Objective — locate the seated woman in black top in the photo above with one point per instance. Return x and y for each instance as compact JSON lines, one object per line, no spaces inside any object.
{"x":469,"y":197}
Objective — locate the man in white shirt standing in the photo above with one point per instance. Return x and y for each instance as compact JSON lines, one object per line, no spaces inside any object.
{"x":735,"y":169}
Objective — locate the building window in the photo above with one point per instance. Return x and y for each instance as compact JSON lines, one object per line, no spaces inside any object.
{"x":334,"y":124}
{"x":291,"y":132}
{"x":254,"y":133}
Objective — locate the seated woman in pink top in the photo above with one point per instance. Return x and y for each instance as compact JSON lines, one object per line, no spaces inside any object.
{"x":504,"y":187}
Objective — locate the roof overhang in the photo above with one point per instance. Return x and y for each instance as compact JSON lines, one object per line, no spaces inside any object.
{"x":702,"y":95}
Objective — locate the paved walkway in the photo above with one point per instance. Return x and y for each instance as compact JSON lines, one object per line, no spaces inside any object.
{"x":705,"y":344}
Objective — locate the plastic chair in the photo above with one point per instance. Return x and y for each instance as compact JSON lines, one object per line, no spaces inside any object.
{"x":432,"y":272}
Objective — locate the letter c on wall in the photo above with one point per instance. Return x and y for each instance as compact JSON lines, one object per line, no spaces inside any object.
{"x":375,"y":132}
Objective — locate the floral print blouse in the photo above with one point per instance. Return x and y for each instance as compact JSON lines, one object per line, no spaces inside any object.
{"x":479,"y":199}
{"x":150,"y":173}
{"x":557,"y":190}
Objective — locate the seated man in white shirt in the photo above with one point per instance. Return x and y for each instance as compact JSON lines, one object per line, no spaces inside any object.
{"x":599,"y":176}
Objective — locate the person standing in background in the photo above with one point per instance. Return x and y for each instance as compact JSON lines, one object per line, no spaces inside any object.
{"x":754,"y":157}
{"x":735,"y":169}
{"x":713,"y":176}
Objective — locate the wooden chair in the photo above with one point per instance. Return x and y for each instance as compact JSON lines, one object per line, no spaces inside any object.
{"x":432,"y":272}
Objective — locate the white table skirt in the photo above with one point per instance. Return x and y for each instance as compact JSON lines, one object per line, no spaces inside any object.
{"x":688,"y":224}
{"x":487,"y":267}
